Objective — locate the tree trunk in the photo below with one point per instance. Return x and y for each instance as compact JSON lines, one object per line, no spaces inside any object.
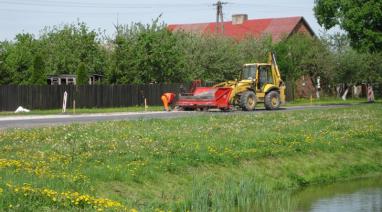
{"x":345,"y":94}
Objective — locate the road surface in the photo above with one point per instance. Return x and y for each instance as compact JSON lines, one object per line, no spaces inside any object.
{"x":32,"y":121}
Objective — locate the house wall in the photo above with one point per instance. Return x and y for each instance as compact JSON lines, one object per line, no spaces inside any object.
{"x":305,"y":87}
{"x":302,"y":28}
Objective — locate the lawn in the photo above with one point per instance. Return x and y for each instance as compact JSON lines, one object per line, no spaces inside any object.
{"x":242,"y":162}
{"x":326,"y":101}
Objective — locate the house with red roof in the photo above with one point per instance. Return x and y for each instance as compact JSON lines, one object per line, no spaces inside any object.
{"x":241,"y":27}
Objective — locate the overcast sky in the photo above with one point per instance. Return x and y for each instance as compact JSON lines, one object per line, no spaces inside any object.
{"x":32,"y":15}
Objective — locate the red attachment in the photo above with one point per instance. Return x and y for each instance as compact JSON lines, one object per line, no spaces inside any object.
{"x":205,"y":98}
{"x":195,"y":84}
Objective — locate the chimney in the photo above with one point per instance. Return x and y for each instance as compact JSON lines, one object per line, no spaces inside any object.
{"x":239,"y":18}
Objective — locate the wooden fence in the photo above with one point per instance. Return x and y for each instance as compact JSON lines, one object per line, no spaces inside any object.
{"x":86,"y":96}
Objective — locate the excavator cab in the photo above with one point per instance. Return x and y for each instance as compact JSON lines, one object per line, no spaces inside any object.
{"x":261,"y":74}
{"x":249,"y":72}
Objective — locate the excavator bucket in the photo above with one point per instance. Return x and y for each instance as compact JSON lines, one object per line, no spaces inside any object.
{"x":206,"y":98}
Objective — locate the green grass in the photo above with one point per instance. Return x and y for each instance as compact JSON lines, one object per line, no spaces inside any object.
{"x":326,"y":101}
{"x":85,"y":110}
{"x":228,"y":162}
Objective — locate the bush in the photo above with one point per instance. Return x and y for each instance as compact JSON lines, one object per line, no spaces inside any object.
{"x":82,"y":75}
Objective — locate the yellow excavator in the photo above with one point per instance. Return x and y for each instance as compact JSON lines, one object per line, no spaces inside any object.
{"x":259,"y":83}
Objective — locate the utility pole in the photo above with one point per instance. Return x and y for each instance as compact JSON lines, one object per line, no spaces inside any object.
{"x":219,"y":17}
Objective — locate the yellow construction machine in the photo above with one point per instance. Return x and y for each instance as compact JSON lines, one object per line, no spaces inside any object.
{"x":259,"y":83}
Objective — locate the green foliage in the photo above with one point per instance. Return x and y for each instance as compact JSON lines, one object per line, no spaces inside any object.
{"x":145,"y":53}
{"x":20,"y":57}
{"x":301,"y":55}
{"x":5,"y":75}
{"x":252,"y":50}
{"x":362,"y":20}
{"x":210,"y":58}
{"x":351,"y":66}
{"x":65,"y":47}
{"x":373,"y":72}
{"x":82,"y":75}
{"x":38,"y":71}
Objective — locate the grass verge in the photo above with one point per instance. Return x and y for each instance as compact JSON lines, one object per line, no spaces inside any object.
{"x":85,"y":110}
{"x":238,"y":162}
{"x":326,"y":101}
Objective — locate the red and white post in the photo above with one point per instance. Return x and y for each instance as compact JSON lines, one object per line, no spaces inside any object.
{"x":370,"y":94}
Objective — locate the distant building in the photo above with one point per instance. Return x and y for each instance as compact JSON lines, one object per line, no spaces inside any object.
{"x":95,"y":79}
{"x":241,"y":27}
{"x":63,"y":79}
{"x":70,"y":79}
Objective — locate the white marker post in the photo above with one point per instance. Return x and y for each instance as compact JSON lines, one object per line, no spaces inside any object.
{"x":64,"y":102}
{"x":146,"y":106}
{"x":318,"y":87}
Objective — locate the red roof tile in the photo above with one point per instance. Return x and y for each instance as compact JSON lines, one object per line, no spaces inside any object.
{"x":276,"y":27}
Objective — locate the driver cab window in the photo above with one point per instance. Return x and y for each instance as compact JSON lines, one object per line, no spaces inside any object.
{"x":249,"y":72}
{"x":265,"y":76}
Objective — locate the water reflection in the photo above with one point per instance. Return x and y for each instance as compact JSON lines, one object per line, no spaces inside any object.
{"x":360,"y":195}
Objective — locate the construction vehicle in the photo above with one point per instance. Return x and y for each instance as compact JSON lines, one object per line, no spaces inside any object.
{"x":259,"y":83}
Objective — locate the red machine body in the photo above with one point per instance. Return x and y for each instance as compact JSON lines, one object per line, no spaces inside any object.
{"x":206,"y":98}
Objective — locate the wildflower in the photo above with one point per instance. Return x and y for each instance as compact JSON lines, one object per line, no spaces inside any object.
{"x":76,"y":199}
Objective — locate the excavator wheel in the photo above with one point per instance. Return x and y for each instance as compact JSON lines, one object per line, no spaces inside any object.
{"x":248,"y":101}
{"x":272,"y":100}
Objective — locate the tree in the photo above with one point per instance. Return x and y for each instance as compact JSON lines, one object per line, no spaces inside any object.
{"x":82,"y":75}
{"x":255,"y":49}
{"x":144,"y":54}
{"x":5,"y":75}
{"x":291,"y":52}
{"x":352,"y":67}
{"x":362,"y":20}
{"x":19,"y":58}
{"x":38,"y":71}
{"x":65,"y":47}
{"x":210,"y":58}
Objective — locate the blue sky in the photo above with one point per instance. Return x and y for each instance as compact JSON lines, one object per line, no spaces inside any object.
{"x":33,"y":15}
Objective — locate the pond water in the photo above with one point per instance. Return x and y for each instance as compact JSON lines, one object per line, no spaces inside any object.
{"x":360,"y":195}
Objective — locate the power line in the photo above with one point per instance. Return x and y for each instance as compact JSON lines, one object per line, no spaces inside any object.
{"x":271,"y":6}
{"x":94,"y":5}
{"x":82,"y":12}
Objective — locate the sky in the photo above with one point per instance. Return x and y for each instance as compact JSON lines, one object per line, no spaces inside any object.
{"x":31,"y":16}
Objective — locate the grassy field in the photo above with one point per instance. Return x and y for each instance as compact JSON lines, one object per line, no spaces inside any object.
{"x":242,"y":162}
{"x":326,"y":101}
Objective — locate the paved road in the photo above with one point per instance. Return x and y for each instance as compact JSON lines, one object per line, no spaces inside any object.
{"x":10,"y":122}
